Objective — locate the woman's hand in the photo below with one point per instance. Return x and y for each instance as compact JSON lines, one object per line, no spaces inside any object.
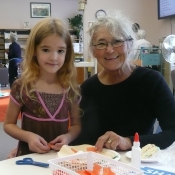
{"x":61,"y":140}
{"x":6,"y":51}
{"x":37,"y":144}
{"x":113,"y":141}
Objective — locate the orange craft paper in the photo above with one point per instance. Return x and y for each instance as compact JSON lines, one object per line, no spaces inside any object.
{"x":96,"y":171}
{"x":75,"y":151}
{"x":50,"y":145}
{"x":107,"y":171}
{"x":91,"y":149}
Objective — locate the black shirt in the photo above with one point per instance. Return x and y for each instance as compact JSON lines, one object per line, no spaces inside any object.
{"x":128,"y":107}
{"x":14,"y":51}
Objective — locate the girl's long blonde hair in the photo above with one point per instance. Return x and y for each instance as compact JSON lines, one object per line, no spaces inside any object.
{"x":30,"y":68}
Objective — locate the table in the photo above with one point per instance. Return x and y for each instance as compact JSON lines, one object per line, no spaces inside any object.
{"x":3,"y":106}
{"x":8,"y":167}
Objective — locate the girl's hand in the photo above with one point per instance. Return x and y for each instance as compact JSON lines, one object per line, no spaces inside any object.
{"x":113,"y":141}
{"x":12,"y":153}
{"x":37,"y":144}
{"x":61,"y":140}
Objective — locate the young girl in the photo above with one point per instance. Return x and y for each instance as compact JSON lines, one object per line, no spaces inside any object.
{"x":47,"y":94}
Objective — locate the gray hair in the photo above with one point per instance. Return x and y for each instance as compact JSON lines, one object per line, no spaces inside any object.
{"x":141,"y":34}
{"x":120,"y":27}
{"x":13,"y":37}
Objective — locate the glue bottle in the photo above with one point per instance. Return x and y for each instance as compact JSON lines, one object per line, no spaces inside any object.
{"x":136,"y":152}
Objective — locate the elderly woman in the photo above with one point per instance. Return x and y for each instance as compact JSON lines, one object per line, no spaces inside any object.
{"x":123,"y":98}
{"x":14,"y":56}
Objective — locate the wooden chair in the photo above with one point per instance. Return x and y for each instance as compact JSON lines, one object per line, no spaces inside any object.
{"x":173,"y":79}
{"x":138,"y":62}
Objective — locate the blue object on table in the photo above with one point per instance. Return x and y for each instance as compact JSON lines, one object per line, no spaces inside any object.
{"x":30,"y":161}
{"x":148,"y":170}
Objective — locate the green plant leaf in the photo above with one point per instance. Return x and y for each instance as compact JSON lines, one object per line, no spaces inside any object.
{"x":76,"y":23}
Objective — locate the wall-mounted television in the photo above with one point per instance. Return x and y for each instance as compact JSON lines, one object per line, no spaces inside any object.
{"x":166,"y":8}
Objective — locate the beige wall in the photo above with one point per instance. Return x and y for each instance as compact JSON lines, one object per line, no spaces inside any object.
{"x":13,"y":13}
{"x":144,"y":12}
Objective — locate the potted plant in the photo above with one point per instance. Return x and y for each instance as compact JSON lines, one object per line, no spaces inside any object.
{"x":76,"y":25}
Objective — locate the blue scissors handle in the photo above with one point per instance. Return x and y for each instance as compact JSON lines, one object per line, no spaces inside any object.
{"x":29,"y":161}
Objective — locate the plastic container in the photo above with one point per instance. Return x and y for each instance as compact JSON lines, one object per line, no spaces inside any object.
{"x":167,"y":156}
{"x":136,"y":152}
{"x":68,"y":165}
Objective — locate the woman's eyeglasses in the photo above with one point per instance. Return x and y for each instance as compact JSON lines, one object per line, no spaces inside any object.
{"x":114,"y":43}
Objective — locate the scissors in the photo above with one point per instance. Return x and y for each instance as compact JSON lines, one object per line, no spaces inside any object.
{"x":30,"y":161}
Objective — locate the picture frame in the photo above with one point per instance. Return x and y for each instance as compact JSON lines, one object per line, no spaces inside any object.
{"x":40,"y":10}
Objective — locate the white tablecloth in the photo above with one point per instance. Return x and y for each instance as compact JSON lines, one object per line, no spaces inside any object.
{"x":8,"y":167}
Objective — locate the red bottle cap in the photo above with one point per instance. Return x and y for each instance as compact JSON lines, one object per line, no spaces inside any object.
{"x":136,"y":137}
